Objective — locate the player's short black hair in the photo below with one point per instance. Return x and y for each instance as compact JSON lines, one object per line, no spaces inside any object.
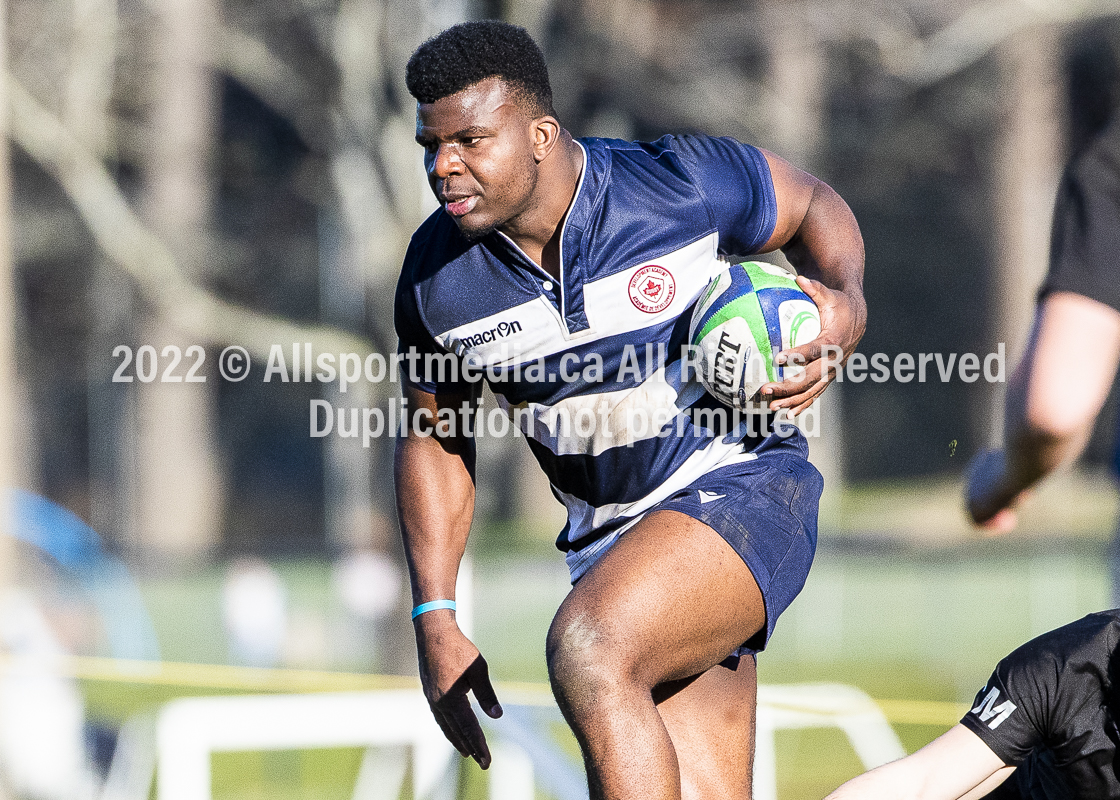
{"x":473,"y":51}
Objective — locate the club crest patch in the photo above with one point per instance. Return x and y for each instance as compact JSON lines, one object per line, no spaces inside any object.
{"x":652,"y":289}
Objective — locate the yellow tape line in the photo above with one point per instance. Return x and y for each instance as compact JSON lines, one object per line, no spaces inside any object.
{"x":923,"y":712}
{"x":251,"y":679}
{"x":224,"y":677}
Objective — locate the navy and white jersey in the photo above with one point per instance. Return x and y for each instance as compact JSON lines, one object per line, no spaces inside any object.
{"x":589,"y":367}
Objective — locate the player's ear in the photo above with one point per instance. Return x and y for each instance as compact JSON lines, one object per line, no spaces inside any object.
{"x":546,"y":133}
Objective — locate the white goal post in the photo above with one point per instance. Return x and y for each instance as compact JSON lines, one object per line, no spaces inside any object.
{"x":190,"y":730}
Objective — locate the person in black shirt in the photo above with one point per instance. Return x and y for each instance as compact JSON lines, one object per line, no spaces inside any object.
{"x":1056,"y":393}
{"x":1044,"y":728}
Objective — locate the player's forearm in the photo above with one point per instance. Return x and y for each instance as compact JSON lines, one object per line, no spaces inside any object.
{"x":906,"y":779}
{"x":828,"y":247}
{"x":435,"y":502}
{"x":948,"y":768}
{"x":815,"y":228}
{"x":869,"y":786}
{"x":1056,"y":393}
{"x":889,"y":783}
{"x":1053,"y":398}
{"x":1035,"y":445}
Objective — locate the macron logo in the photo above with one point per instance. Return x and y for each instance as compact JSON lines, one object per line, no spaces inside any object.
{"x":501,"y":331}
{"x":988,"y":710}
{"x":707,"y":497}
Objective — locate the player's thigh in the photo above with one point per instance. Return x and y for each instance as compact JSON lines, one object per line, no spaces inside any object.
{"x":669,"y":599}
{"x":711,"y":724}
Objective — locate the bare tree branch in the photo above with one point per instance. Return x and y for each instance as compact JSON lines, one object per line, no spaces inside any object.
{"x":978,"y":31}
{"x":251,"y":62}
{"x":119,"y":232}
{"x":89,"y":85}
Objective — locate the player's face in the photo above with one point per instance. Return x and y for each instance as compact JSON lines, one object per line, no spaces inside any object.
{"x":478,"y":151}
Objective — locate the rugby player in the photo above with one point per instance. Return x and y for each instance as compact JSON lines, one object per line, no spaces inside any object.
{"x":1056,"y":393}
{"x":1044,"y":728}
{"x":685,"y":540}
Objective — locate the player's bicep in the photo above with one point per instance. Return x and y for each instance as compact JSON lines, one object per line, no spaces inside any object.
{"x":793,"y":192}
{"x":443,"y":416}
{"x":436,"y":446}
{"x":1070,"y":364}
{"x":434,"y":465}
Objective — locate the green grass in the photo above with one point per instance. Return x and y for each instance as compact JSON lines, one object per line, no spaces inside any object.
{"x":286,"y":775}
{"x":813,"y":762}
{"x":904,"y":624}
{"x":910,"y":624}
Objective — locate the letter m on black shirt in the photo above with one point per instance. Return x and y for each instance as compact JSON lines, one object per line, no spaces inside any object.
{"x":989,"y":712}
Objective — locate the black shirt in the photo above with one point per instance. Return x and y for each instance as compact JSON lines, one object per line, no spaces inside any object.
{"x":1046,"y":710}
{"x":1085,"y":241}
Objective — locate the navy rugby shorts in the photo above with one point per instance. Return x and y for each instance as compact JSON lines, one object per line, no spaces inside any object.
{"x":766,"y":509}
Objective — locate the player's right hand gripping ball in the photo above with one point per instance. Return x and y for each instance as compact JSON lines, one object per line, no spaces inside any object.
{"x":749,"y":313}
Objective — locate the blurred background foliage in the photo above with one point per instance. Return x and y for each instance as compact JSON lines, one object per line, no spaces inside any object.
{"x":243,"y":173}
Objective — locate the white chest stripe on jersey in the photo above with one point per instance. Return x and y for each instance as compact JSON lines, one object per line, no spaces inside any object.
{"x":589,"y":424}
{"x":610,"y":312}
{"x":607,"y":300}
{"x":530,"y":329}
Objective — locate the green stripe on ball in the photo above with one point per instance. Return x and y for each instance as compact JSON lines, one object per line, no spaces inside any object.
{"x":747,"y":307}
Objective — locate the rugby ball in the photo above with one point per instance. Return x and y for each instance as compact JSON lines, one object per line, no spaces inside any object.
{"x":746,"y":315}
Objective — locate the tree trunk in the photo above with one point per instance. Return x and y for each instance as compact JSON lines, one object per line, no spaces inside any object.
{"x":1027,"y":163}
{"x":796,"y":78}
{"x":177,"y":501}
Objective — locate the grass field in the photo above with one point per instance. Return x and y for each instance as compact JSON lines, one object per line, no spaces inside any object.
{"x":901,"y":624}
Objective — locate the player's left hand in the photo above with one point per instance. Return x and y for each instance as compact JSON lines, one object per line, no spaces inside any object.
{"x":450,"y":668}
{"x":843,"y":320}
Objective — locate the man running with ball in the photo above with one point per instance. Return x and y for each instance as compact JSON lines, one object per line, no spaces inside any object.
{"x":684,"y":542}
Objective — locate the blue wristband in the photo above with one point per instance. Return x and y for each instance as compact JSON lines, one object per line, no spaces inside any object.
{"x":432,"y":605}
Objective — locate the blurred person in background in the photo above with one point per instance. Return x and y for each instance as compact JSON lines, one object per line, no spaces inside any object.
{"x":43,"y":752}
{"x":574,"y":248}
{"x":1056,"y":393}
{"x":1043,"y":728}
{"x":367,"y":585}
{"x":255,"y":612}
